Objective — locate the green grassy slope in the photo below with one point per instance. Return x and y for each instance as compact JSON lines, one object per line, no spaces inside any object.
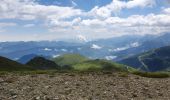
{"x":98,"y":65}
{"x":81,"y":63}
{"x":103,"y":65}
{"x":69,"y":59}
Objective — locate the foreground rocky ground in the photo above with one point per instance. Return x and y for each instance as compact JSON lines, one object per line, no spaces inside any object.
{"x":89,"y":86}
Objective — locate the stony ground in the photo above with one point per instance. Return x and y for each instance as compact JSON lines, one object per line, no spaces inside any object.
{"x":72,"y":86}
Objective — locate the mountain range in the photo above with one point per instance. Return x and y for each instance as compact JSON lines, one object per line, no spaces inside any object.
{"x":114,"y":49}
{"x":153,"y":60}
{"x":69,"y":62}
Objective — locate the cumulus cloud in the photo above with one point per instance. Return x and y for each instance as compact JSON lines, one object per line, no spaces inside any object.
{"x":99,"y":22}
{"x":82,"y":38}
{"x":110,"y":57}
{"x":89,"y":22}
{"x":134,"y":24}
{"x":94,"y":46}
{"x":131,"y":45}
{"x":30,"y":10}
{"x":64,"y":50}
{"x":116,"y":6}
{"x":47,"y":49}
{"x":121,"y":48}
{"x":55,"y":56}
{"x":166,"y":10}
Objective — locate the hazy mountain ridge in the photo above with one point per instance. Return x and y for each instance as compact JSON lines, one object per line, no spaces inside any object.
{"x":153,"y":43}
{"x":153,"y":60}
{"x":116,"y":48}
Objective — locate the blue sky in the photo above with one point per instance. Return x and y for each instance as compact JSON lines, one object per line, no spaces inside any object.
{"x":35,"y":20}
{"x":81,"y":4}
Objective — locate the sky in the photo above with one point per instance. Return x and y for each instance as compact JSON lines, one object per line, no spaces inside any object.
{"x":35,"y":20}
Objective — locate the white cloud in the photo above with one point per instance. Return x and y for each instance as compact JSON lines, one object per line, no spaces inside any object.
{"x":121,"y":48}
{"x":82,"y":38}
{"x":73,"y":3}
{"x":94,"y":46}
{"x":166,"y":10}
{"x":134,"y":24}
{"x":58,"y":23}
{"x":31,"y":10}
{"x":117,"y":5}
{"x":55,"y":56}
{"x":131,"y":45}
{"x":89,"y":22}
{"x":110,"y":57}
{"x":64,"y":50}
{"x":96,"y":23}
{"x":47,"y":49}
{"x":140,"y":3}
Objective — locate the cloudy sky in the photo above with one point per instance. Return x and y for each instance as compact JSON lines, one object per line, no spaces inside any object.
{"x":28,"y":20}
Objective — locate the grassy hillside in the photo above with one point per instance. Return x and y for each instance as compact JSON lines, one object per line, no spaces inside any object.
{"x":80,"y":63}
{"x":154,"y":60}
{"x":69,"y":59}
{"x":41,"y":65}
{"x":100,"y":65}
{"x":10,"y":65}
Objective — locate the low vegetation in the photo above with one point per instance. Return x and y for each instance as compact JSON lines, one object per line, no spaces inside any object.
{"x":152,"y":74}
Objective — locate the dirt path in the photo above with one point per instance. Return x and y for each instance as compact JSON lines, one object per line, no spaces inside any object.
{"x":67,"y":86}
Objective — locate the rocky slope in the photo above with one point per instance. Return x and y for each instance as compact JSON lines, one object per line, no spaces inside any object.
{"x":87,"y":86}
